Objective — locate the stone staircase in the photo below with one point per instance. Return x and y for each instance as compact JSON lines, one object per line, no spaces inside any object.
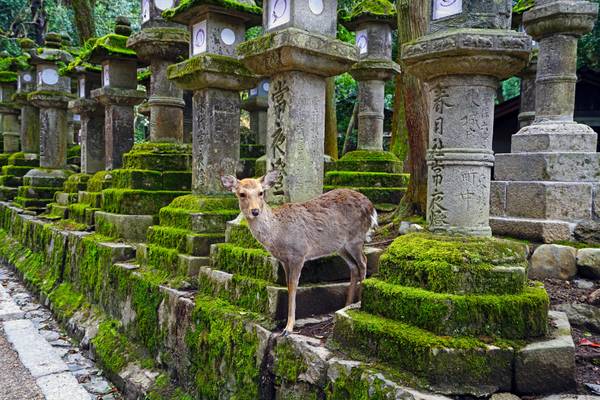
{"x":17,"y":165}
{"x":376,"y":174}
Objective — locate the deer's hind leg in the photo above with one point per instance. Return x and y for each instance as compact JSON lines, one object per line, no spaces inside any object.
{"x":292,"y":271}
{"x":354,"y":274}
{"x":355,"y":250}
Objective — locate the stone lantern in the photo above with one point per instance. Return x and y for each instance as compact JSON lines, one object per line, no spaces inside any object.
{"x":298,"y":52}
{"x":118,"y":92}
{"x":30,"y":120}
{"x":257,"y":105}
{"x":546,"y":188}
{"x":51,"y":96}
{"x":216,"y":76}
{"x":375,"y":66}
{"x":159,"y":44}
{"x":469,"y":49}
{"x":93,"y":148}
{"x":9,"y":112}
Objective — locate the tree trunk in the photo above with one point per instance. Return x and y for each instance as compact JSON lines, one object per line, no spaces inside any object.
{"x":84,"y":19}
{"x":331,"y":144}
{"x":413,"y":17}
{"x":399,"y":144}
{"x":351,"y":123}
{"x":38,"y":21}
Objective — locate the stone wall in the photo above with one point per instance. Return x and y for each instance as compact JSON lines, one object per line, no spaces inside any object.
{"x":154,"y":338}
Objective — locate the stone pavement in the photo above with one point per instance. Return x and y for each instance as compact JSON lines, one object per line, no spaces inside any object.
{"x":39,"y":361}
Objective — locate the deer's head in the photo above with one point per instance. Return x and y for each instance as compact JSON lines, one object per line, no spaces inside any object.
{"x":250,"y":192}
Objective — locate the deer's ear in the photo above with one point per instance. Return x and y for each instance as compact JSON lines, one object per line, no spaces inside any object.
{"x":269,"y":179}
{"x":229,"y":182}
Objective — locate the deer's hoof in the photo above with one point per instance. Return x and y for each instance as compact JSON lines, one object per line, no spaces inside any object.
{"x":285,"y":333}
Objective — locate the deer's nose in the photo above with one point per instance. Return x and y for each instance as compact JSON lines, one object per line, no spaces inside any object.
{"x":255,"y":212}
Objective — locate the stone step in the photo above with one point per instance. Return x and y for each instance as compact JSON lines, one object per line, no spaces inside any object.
{"x":271,"y":300}
{"x":129,"y":227}
{"x":37,"y":192}
{"x":259,"y":264}
{"x":36,"y":205}
{"x":375,"y":194}
{"x":82,"y":213}
{"x":169,"y":260}
{"x":199,"y":222}
{"x":58,"y":210}
{"x":15,"y":170}
{"x":512,"y":316}
{"x":94,"y":199}
{"x":148,"y":160}
{"x":366,"y":179}
{"x":137,"y":202}
{"x":64,"y":198}
{"x":183,"y":240}
{"x":23,"y":161}
{"x":556,"y":167}
{"x":447,"y":264}
{"x":537,"y":230}
{"x":151,"y":179}
{"x":11,"y":181}
{"x":76,"y":182}
{"x":7,"y":193}
{"x":252,"y":150}
{"x":462,"y":365}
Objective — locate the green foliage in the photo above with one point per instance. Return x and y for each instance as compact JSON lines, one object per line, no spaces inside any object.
{"x":185,"y":5}
{"x":588,"y":50}
{"x":522,"y":6}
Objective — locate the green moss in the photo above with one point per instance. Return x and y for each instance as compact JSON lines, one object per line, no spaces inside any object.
{"x":70,"y":225}
{"x":111,"y":346}
{"x":99,"y":181}
{"x":240,"y":235}
{"x":366,"y":179}
{"x":523,"y":5}
{"x":288,"y":364}
{"x":186,"y":5}
{"x":255,"y":263}
{"x":106,"y":46}
{"x":137,"y":202}
{"x":380,"y":9}
{"x":8,"y":76}
{"x":189,"y":69}
{"x":65,"y":300}
{"x":369,"y":155}
{"x":514,"y":316}
{"x":196,"y":203}
{"x":353,"y":385}
{"x":223,"y":346}
{"x":391,"y":195}
{"x":454,"y":264}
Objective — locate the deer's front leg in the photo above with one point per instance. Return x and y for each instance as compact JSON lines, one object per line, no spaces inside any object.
{"x":293,"y":277}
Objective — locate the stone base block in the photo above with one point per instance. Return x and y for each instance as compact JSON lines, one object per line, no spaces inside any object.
{"x":147,"y":157}
{"x":269,"y":299}
{"x":7,"y":193}
{"x":556,"y":167}
{"x":151,"y":179}
{"x":94,"y":199}
{"x":448,"y":365}
{"x":555,"y":137}
{"x":137,"y":202}
{"x":259,"y":264}
{"x":82,"y":213}
{"x":15,"y":170}
{"x":548,"y":365}
{"x":184,"y":241}
{"x":539,"y":230}
{"x":64,"y":198}
{"x":128,"y":227}
{"x":207,"y":221}
{"x":568,"y":201}
{"x":46,"y":177}
{"x":169,"y":260}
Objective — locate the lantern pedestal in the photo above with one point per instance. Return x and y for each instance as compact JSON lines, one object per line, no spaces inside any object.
{"x":297,"y":63}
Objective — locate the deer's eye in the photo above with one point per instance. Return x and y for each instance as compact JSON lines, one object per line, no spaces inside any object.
{"x":243,"y":195}
{"x":261,"y":193}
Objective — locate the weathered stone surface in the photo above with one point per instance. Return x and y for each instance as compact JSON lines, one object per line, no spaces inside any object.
{"x":555,"y":136}
{"x":588,"y":263}
{"x":62,"y":386}
{"x":587,"y":232}
{"x":547,"y":366}
{"x":132,"y":227}
{"x":498,"y":198}
{"x":594,"y":298}
{"x":558,"y":167}
{"x":547,"y":231}
{"x":553,"y":261}
{"x":504,"y":396}
{"x":584,"y":316}
{"x":9,"y":310}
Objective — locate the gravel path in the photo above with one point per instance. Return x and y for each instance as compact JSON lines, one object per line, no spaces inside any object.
{"x":16,"y":383}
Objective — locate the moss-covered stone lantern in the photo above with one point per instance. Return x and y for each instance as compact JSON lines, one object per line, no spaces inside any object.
{"x":118,"y":92}
{"x":369,"y":169}
{"x":298,"y":52}
{"x":469,"y":49}
{"x":51,"y":96}
{"x":159,"y":44}
{"x":9,"y":111}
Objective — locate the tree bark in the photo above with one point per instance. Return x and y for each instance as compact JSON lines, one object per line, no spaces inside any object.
{"x":38,"y":25}
{"x":84,"y":19}
{"x":331,"y":144}
{"x":399,"y":144}
{"x":351,"y":123}
{"x":413,"y":18}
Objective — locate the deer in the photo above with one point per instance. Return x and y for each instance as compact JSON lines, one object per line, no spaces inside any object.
{"x":339,"y":221}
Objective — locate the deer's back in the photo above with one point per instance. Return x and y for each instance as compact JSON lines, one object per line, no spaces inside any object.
{"x":324,"y":224}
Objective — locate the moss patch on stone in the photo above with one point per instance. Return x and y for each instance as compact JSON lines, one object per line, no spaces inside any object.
{"x":186,"y":5}
{"x":255,"y":263}
{"x":8,"y":77}
{"x":366,"y":179}
{"x":513,"y":316}
{"x":453,"y":264}
{"x":137,"y":202}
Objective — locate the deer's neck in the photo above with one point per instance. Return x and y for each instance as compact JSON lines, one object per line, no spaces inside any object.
{"x":264,"y":227}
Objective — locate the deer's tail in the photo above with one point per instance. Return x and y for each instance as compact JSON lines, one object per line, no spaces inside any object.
{"x":374,"y":226}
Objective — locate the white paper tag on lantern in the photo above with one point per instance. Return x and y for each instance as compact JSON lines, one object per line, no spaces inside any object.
{"x":145,"y":10}
{"x":199,"y":38}
{"x":81,"y":87}
{"x":446,"y":8}
{"x":279,"y":13}
{"x":105,"y":76}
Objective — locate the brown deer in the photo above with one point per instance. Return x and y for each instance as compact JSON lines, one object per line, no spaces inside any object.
{"x":338,"y":221}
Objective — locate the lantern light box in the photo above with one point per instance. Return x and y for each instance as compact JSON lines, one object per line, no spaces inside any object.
{"x":446,"y":8}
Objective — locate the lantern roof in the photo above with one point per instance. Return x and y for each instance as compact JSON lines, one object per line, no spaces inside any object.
{"x":382,"y":11}
{"x":185,"y":12}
